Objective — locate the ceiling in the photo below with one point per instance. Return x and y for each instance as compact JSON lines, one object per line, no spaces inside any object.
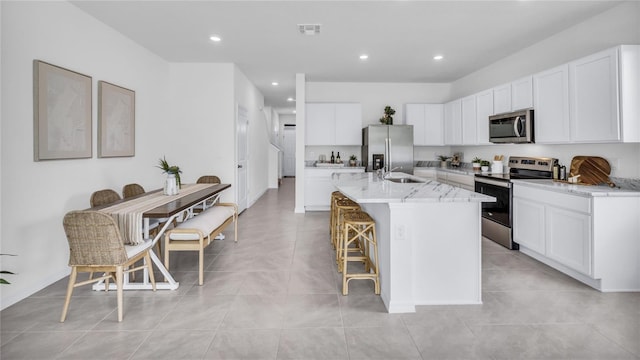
{"x":401,"y":37}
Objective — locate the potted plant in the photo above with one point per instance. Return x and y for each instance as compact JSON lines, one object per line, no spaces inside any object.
{"x":387,"y":119}
{"x":352,"y":160}
{"x":173,"y":182}
{"x":476,"y":163}
{"x":484,"y":165}
{"x":443,"y":160}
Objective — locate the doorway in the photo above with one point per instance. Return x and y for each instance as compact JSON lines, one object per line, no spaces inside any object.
{"x":289,"y":146}
{"x":242,"y":124}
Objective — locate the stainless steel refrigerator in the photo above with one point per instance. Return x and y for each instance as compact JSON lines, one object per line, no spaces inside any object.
{"x":388,"y":147}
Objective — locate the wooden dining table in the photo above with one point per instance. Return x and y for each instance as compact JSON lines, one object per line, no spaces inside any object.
{"x":134,"y":214}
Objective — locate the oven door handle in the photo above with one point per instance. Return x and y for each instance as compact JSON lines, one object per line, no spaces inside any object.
{"x":504,"y":184}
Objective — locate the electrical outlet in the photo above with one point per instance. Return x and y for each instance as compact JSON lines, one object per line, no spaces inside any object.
{"x":614,"y":163}
{"x":400,"y":232}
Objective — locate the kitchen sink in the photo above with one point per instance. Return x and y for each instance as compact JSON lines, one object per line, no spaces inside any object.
{"x":405,"y":180}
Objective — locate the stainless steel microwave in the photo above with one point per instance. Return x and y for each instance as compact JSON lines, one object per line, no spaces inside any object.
{"x":514,"y":127}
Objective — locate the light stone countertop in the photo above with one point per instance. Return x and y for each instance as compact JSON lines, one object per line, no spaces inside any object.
{"x":367,"y":188}
{"x":582,"y":190}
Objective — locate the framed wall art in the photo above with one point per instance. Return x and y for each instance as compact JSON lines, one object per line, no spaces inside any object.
{"x":62,"y":113}
{"x":116,"y":120}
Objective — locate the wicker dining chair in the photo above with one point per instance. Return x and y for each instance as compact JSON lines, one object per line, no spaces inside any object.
{"x":131,"y":190}
{"x":103,"y":197}
{"x":206,"y":179}
{"x":95,"y":245}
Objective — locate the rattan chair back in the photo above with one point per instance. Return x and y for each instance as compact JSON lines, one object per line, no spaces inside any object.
{"x":94,"y":239}
{"x":131,"y":190}
{"x":208,"y":179}
{"x":103,"y":197}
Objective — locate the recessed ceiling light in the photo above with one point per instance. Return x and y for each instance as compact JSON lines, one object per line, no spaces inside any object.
{"x":364,"y":57}
{"x":290,"y":99}
{"x":294,"y":111}
{"x":215,"y":38}
{"x":275,"y":83}
{"x":438,"y":57}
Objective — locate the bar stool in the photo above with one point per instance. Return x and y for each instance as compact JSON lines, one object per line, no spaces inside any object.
{"x":335,"y":196}
{"x":359,"y":227}
{"x":341,"y":207}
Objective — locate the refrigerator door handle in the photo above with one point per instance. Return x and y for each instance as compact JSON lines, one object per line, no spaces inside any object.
{"x":389,"y":163}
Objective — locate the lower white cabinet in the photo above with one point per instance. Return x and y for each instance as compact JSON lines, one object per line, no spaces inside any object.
{"x":318,"y":187}
{"x":593,"y":239}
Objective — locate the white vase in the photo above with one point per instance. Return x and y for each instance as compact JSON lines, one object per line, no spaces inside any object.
{"x":171,"y":185}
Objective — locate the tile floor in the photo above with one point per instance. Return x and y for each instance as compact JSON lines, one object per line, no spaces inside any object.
{"x":276,"y":295}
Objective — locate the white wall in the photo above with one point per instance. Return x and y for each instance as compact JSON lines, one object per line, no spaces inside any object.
{"x":203,"y":117}
{"x":247,"y":95}
{"x":36,"y":195}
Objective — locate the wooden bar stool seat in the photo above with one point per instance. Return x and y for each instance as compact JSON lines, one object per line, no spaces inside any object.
{"x":335,"y":196}
{"x":341,"y":207}
{"x":358,"y":226}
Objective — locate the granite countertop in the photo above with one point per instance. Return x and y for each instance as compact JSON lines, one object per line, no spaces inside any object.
{"x":582,"y":190}
{"x":367,"y":188}
{"x":455,"y":170}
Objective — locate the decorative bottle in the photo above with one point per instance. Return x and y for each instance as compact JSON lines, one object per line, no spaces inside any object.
{"x":333,"y":158}
{"x":338,"y":158}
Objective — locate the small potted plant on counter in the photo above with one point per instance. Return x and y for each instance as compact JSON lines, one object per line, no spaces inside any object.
{"x":443,"y":160}
{"x":484,"y":165}
{"x":352,"y":160}
{"x":476,"y":163}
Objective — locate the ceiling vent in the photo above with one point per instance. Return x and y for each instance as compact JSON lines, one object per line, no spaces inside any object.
{"x":309,"y":29}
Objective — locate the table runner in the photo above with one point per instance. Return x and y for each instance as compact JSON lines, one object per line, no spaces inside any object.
{"x":128,"y":214}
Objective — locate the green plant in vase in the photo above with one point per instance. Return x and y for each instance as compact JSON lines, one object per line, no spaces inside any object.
{"x":169,"y":169}
{"x":387,"y":118}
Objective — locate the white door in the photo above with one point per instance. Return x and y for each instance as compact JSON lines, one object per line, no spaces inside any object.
{"x":242,"y":123}
{"x":289,"y":156}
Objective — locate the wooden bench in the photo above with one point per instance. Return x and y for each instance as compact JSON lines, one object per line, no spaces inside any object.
{"x":198,"y":232}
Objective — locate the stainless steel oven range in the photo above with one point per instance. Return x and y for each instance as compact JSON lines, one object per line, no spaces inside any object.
{"x":497,"y":217}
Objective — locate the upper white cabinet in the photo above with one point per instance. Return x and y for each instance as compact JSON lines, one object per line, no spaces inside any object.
{"x":469,"y":121}
{"x":427,"y":121}
{"x":502,"y":99}
{"x":593,"y":98}
{"x":522,"y":94}
{"x":453,"y":122}
{"x":484,"y":108}
{"x":348,"y":124}
{"x":333,"y":124}
{"x":551,"y":105}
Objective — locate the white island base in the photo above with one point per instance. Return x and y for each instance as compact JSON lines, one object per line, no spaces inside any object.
{"x":429,"y":253}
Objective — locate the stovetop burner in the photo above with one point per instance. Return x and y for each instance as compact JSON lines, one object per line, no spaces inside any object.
{"x":522,"y":167}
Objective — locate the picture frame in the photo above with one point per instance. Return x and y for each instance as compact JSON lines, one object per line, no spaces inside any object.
{"x":116,"y":121}
{"x":62,"y":113}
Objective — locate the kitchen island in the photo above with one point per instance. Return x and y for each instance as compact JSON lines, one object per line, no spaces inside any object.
{"x":429,"y":238}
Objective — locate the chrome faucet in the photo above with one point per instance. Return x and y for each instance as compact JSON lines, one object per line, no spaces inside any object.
{"x":383,"y":175}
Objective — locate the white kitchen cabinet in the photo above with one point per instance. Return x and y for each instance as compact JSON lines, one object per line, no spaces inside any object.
{"x":453,"y":122}
{"x":427,"y":121}
{"x":569,"y":238}
{"x":593,"y":88}
{"x":530,"y":229}
{"x":320,"y":124}
{"x":429,"y":174}
{"x":333,"y":124}
{"x":318,"y":186}
{"x":484,"y":109}
{"x":464,"y":181}
{"x":522,"y":93}
{"x":348,"y":119}
{"x":551,"y":106}
{"x":587,"y":237}
{"x":469,"y":120}
{"x":502,"y":99}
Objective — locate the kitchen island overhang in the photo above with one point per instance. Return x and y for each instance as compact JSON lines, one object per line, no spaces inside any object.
{"x":429,"y":239}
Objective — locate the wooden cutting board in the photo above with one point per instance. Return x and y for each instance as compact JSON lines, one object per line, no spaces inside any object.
{"x":593,"y":170}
